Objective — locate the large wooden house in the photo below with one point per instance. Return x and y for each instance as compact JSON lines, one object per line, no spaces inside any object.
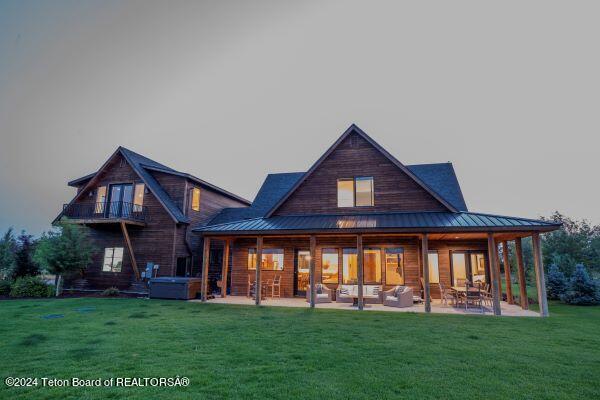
{"x":141,"y":213}
{"x":359,"y":216}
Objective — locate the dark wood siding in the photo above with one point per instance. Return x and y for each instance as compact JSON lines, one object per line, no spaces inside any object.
{"x":394,"y":189}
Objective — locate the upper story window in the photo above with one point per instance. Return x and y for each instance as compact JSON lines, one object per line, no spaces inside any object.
{"x":100,"y":200}
{"x":196,"y":199}
{"x":355,"y":192}
{"x":138,"y":197}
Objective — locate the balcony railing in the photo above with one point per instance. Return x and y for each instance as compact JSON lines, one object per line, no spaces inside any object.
{"x":106,"y":211}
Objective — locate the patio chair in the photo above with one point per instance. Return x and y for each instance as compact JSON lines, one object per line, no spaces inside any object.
{"x":446,"y":294}
{"x":399,"y":296}
{"x":473,"y":297}
{"x":276,"y":286}
{"x":322,"y":294}
{"x":250,"y":288}
{"x":486,"y":295}
{"x":423,"y":289}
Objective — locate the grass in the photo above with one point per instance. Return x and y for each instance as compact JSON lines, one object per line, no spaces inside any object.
{"x":274,"y":352}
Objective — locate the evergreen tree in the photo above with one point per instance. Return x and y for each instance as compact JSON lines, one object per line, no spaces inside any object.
{"x":557,"y":283}
{"x":24,"y":264}
{"x":582,"y":290}
{"x":8,"y":246}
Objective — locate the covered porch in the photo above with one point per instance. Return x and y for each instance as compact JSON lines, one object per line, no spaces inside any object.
{"x":369,"y":260}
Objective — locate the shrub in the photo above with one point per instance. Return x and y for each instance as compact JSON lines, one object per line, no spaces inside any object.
{"x":110,"y":292}
{"x":4,"y":287}
{"x":582,"y":290}
{"x":31,"y":286}
{"x":557,"y":283}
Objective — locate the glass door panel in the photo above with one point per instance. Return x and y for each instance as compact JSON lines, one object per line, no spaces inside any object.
{"x":478,"y":267}
{"x":302,"y":271}
{"x":459,"y":269}
{"x":119,"y":194}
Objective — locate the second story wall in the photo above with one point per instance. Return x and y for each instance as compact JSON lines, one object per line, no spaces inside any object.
{"x":393,"y":189}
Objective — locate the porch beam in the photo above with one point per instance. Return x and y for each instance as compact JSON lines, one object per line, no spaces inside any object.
{"x":258,"y":287}
{"x":225,"y":269}
{"x":312,"y":278}
{"x":539,"y":274}
{"x":521,"y":271}
{"x":493,"y":258}
{"x":205,"y":264}
{"x":425,"y":261}
{"x":359,"y":263}
{"x":509,"y":295}
{"x":130,"y":248}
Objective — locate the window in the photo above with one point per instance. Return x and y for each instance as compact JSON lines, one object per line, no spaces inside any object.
{"x":478,"y":267}
{"x":356,"y":192}
{"x":349,"y":267}
{"x":364,"y":192}
{"x":100,"y":200}
{"x":459,"y":269}
{"x":138,"y":197}
{"x":434,"y":267}
{"x":371,"y":266}
{"x":196,"y":199}
{"x":113,"y":259}
{"x":394,"y":266}
{"x":329,"y":266}
{"x":272,"y":259}
{"x":345,"y":192}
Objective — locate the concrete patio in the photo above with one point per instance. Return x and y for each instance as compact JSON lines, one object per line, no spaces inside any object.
{"x":510,"y":310}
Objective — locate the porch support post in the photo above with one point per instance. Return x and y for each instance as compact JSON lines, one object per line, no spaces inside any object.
{"x":539,"y":274}
{"x":313,"y":254}
{"x":359,"y":263}
{"x":130,"y":248}
{"x":258,"y":287}
{"x":509,"y":296}
{"x":425,"y":261}
{"x":521,"y":271}
{"x":493,"y":259}
{"x":205,"y":264}
{"x":498,"y":272}
{"x":225,"y":269}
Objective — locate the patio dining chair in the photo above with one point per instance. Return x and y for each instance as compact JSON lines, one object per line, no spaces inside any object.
{"x":473,"y":297}
{"x":446,"y":294}
{"x":276,"y":286}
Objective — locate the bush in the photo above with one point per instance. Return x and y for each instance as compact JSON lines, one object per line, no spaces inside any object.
{"x":557,"y":283}
{"x":582,"y":290}
{"x":4,"y":287}
{"x":31,"y":286}
{"x":111,"y":292}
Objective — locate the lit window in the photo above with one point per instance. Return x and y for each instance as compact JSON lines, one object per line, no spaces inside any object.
{"x":138,"y":197}
{"x":100,"y":200}
{"x":113,"y":259}
{"x":434,"y":267}
{"x":345,"y":192}
{"x":196,"y":199}
{"x":394,"y":266}
{"x":364,"y":192}
{"x":272,"y":259}
{"x":459,"y":269}
{"x":356,"y":192}
{"x":349,"y":267}
{"x":371,"y":266}
{"x":329,"y":266}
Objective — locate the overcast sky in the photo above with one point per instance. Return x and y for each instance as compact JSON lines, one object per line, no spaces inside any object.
{"x":232,"y":90}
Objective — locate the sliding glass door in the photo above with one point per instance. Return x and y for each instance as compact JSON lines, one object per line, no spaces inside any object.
{"x":469,"y":265}
{"x":119,"y":201}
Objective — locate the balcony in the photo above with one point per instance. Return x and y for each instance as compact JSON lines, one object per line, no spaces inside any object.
{"x":106,"y":212}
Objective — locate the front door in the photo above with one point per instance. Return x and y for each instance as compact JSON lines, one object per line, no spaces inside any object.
{"x":301,"y":272}
{"x":119,"y":200}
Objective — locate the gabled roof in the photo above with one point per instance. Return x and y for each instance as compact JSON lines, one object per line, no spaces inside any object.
{"x":428,"y":221}
{"x":273,"y":188}
{"x":442,"y":179}
{"x":355,"y":129}
{"x":143,"y":166}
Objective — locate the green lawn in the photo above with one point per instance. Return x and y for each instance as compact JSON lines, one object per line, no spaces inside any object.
{"x":249,"y":352}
